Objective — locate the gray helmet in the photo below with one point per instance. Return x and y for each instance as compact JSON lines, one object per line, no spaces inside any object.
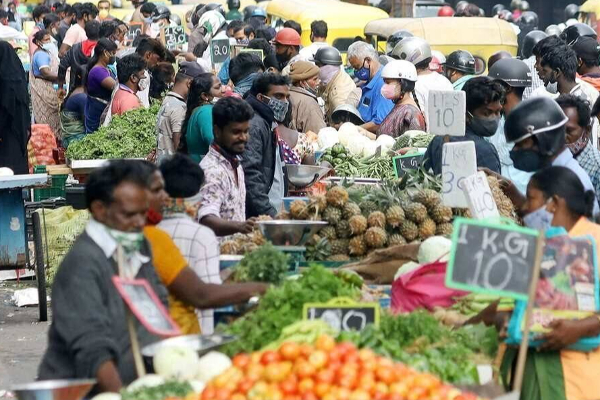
{"x":175,"y":19}
{"x":573,"y":32}
{"x":540,"y":118}
{"x":528,"y":19}
{"x":395,"y":38}
{"x":524,"y":5}
{"x":161,"y":12}
{"x":513,"y":72}
{"x":413,"y":49}
{"x":347,"y":113}
{"x":529,"y":41}
{"x":328,"y":56}
{"x":496,"y":9}
{"x":461,"y":60}
{"x":552,"y":30}
{"x":571,"y":11}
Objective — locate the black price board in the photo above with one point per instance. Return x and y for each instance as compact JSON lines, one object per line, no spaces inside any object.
{"x":219,"y":50}
{"x":174,"y":36}
{"x":139,"y":296}
{"x":135,"y":29}
{"x":492,"y":258}
{"x":407,"y":161}
{"x":343,"y":314}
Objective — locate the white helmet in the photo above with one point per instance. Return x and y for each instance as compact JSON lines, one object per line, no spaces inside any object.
{"x":413,"y":49}
{"x":400,"y":69}
{"x":212,"y":21}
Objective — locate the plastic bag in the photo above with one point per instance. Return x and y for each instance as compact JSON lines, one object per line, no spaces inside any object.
{"x":40,"y":146}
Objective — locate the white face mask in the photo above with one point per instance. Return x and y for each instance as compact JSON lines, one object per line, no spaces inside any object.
{"x":540,"y":219}
{"x":143,"y":84}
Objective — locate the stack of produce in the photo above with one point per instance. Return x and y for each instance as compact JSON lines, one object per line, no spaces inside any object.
{"x":474,"y":303}
{"x":240,"y":244}
{"x":324,"y":371}
{"x":265,"y":264}
{"x":413,"y":139}
{"x":346,"y":164}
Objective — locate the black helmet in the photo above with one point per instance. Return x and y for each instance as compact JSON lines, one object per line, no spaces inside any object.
{"x":528,"y":19}
{"x":461,"y":60}
{"x":573,"y":32}
{"x":231,"y":4}
{"x":496,"y":9}
{"x":395,"y":38}
{"x":513,"y":72}
{"x":161,"y":12}
{"x":571,"y":11}
{"x":202,"y":8}
{"x":539,"y":117}
{"x":248,"y":11}
{"x":328,"y":56}
{"x":530,"y":40}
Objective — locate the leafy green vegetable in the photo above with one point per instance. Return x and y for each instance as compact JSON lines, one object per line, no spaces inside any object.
{"x":160,"y":392}
{"x":265,"y":264}
{"x":131,"y":135}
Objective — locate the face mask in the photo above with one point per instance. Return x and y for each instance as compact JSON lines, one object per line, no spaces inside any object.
{"x":112,"y":67}
{"x":143,"y":84}
{"x":539,"y":219}
{"x":54,"y":32}
{"x":243,"y":41}
{"x":527,"y":160}
{"x":310,"y":89}
{"x":484,"y":127}
{"x":389,"y":91}
{"x":40,"y":25}
{"x":130,"y":241}
{"x":112,"y":60}
{"x":577,"y":146}
{"x":278,"y":107}
{"x":364,"y":73}
{"x":48,"y":47}
{"x":103,"y":13}
{"x":148,"y":21}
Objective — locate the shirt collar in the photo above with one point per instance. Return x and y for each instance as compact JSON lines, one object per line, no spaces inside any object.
{"x":176,"y":95}
{"x":375,"y":79}
{"x":125,"y":88}
{"x":563,"y":158}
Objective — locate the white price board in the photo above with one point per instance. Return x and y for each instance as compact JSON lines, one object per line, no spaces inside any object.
{"x":479,"y":196}
{"x":458,"y":162}
{"x":446,"y":112}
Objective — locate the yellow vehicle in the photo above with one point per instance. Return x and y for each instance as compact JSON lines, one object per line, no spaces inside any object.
{"x":345,"y":21}
{"x":482,"y":37}
{"x":589,"y":13}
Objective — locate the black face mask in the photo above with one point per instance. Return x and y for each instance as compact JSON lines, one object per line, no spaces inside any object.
{"x":484,"y":127}
{"x":528,"y":160}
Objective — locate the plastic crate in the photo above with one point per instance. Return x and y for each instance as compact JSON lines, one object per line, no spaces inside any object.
{"x":57,"y":188}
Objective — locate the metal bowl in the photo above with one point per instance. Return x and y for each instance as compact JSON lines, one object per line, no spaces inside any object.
{"x":67,"y":389}
{"x":305,"y":175}
{"x":289,"y":232}
{"x":201,"y":344}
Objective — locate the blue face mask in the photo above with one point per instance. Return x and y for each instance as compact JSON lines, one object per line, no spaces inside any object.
{"x":540,"y":219}
{"x":40,"y":25}
{"x":113,"y":69}
{"x":364,"y":73}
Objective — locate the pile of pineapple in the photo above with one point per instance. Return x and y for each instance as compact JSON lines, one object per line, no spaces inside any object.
{"x":380,"y":218}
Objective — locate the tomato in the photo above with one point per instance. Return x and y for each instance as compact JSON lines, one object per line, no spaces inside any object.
{"x":321,"y":389}
{"x":269,"y":357}
{"x":309,"y":396}
{"x":326,"y":376}
{"x":385,"y":374}
{"x":273,"y":393}
{"x":399,"y":388}
{"x":289,"y":351}
{"x":306,"y":385}
{"x":351,"y":357}
{"x":245,"y":385}
{"x":208,"y":393}
{"x":346,"y":347}
{"x":222,"y":394}
{"x":417,"y":393}
{"x":254,"y":372}
{"x":238,"y":396}
{"x":335,"y":354}
{"x":255,"y":357}
{"x":304,"y":369}
{"x":318,"y":359}
{"x":381,"y":387}
{"x":334,"y":365}
{"x":342,"y":393}
{"x":276,"y":372}
{"x":360,"y":395}
{"x":292,"y":397}
{"x":366,"y":383}
{"x":306,"y":350}
{"x":241,"y":360}
{"x":289,"y":385}
{"x":366,"y":354}
{"x":325,"y":343}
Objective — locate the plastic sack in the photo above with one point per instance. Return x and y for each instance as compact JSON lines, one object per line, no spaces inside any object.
{"x":40,"y":146}
{"x":424,"y":287}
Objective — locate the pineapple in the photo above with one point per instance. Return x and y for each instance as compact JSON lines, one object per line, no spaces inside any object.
{"x":318,"y":203}
{"x":357,"y":246}
{"x":283,"y":215}
{"x":257,"y":238}
{"x":444,"y":229}
{"x":264,"y":218}
{"x":367,"y":207}
{"x":396,"y":239}
{"x":409,"y":230}
{"x":505,"y":206}
{"x":375,"y":237}
{"x":428,"y":197}
{"x":415,"y":212}
{"x":342,"y":229}
{"x":299,"y":209}
{"x":338,"y":258}
{"x":394,"y":216}
{"x":376,"y":219}
{"x":249,"y":247}
{"x":328,"y":232}
{"x":358,"y":225}
{"x":350,"y":210}
{"x":230,"y":247}
{"x":333,"y":215}
{"x":426,"y":228}
{"x":337,"y":196}
{"x":441,"y":214}
{"x":318,"y":250}
{"x":340,"y":246}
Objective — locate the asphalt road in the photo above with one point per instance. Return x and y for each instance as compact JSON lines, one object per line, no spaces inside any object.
{"x":22,"y":338}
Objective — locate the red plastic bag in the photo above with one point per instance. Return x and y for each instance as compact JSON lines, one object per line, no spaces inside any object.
{"x":40,"y":146}
{"x":424,"y":287}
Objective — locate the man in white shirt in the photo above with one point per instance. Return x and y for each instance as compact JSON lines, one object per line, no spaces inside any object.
{"x":318,"y":37}
{"x":6,"y":32}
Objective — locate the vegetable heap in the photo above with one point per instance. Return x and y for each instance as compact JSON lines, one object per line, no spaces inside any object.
{"x":131,"y":135}
{"x":166,"y":390}
{"x":348,"y":165}
{"x":326,"y":371}
{"x":265,"y":264}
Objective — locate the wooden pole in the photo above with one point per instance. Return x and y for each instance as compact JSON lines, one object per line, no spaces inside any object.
{"x":539,"y":252}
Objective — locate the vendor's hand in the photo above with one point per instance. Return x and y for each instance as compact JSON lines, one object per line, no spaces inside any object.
{"x":564,"y":333}
{"x":508,"y":187}
{"x":259,"y":288}
{"x":247,"y":226}
{"x":61,"y":93}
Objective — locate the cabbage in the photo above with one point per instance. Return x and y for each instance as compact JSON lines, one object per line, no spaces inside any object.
{"x":328,"y":137}
{"x":369,"y":148}
{"x":107,"y":396}
{"x":211,"y":365}
{"x":433,"y":248}
{"x":406,"y":268}
{"x":149,"y":380}
{"x":347,"y":132}
{"x":176,"y":362}
{"x":386,"y":142}
{"x":197,"y":386}
{"x":356,"y":144}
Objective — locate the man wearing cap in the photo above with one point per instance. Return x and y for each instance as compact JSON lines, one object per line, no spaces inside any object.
{"x":172,"y":111}
{"x":306,"y":112}
{"x":287,"y":49}
{"x":588,"y":51}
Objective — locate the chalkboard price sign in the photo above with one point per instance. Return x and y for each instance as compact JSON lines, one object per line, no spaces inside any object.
{"x":174,"y":36}
{"x":146,"y":306}
{"x":135,"y":29}
{"x":492,"y":258}
{"x":407,"y":161}
{"x":343,"y":314}
{"x":219,"y":50}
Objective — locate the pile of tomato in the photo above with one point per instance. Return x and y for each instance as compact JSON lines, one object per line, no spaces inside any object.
{"x":325,"y":371}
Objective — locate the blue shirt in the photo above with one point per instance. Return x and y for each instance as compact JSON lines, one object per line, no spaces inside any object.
{"x":373,"y":106}
{"x":40,"y":59}
{"x":223,"y":74}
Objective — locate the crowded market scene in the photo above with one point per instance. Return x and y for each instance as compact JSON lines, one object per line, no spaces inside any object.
{"x":300,"y":200}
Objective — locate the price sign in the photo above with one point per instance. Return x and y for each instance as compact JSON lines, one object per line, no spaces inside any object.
{"x":343,"y":314}
{"x":135,"y":29}
{"x":146,"y":306}
{"x":407,"y":161}
{"x":219,"y":50}
{"x":446,"y":112}
{"x":174,"y":37}
{"x":479,"y":196}
{"x":492,"y":258}
{"x":458,"y":162}
{"x":258,"y":52}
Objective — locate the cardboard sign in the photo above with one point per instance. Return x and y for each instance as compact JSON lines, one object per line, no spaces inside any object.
{"x":174,"y":37}
{"x":343,"y":314}
{"x":135,"y":29}
{"x":407,"y":161}
{"x":258,"y":52}
{"x":446,"y":112}
{"x":458,"y":162}
{"x":492,"y":258}
{"x":479,"y":196}
{"x":219,"y":50}
{"x":146,"y":306}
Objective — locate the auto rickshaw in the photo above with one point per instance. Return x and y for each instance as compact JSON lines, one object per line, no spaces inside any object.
{"x":589,"y":12}
{"x":482,"y":37}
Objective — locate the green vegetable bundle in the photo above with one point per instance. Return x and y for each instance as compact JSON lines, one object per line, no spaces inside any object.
{"x":474,"y":303}
{"x":265,"y":264}
{"x":282,"y":306}
{"x":348,"y":165}
{"x":160,"y":392}
{"x":131,"y":135}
